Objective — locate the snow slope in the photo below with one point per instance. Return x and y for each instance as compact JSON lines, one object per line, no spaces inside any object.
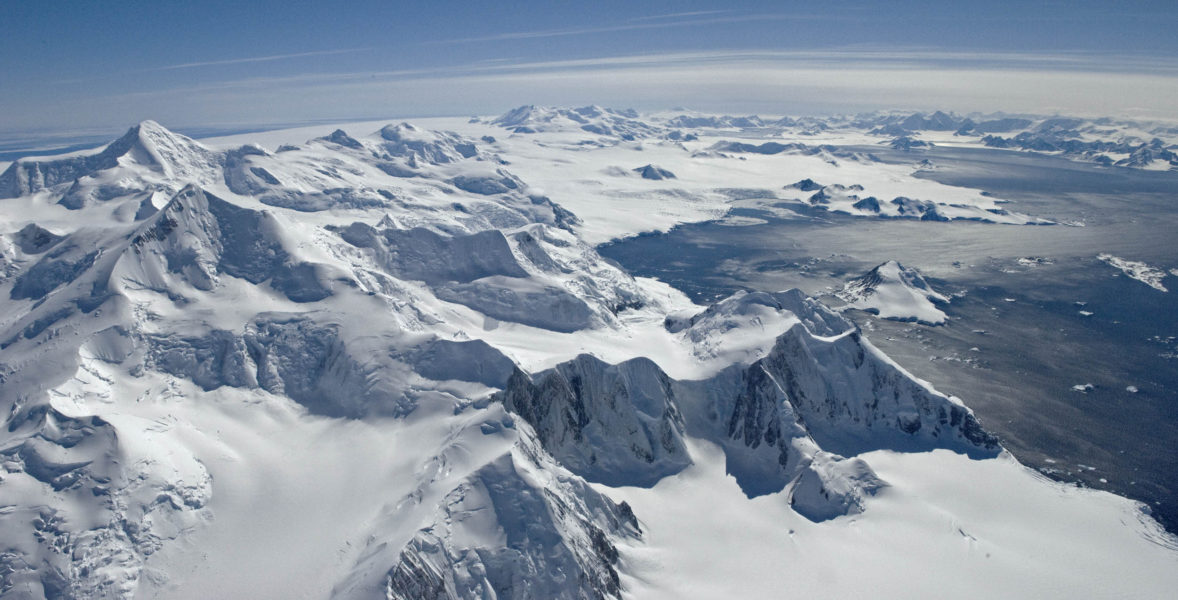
{"x":894,"y":291}
{"x":390,"y":364}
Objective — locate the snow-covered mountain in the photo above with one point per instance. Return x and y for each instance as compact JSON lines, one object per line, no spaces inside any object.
{"x":624,"y":124}
{"x":393,"y":365}
{"x":894,"y":291}
{"x":1103,"y":141}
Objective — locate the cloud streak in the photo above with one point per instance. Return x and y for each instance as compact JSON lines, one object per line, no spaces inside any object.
{"x":633,"y":25}
{"x":680,"y":15}
{"x":252,"y":59}
{"x":842,"y":81}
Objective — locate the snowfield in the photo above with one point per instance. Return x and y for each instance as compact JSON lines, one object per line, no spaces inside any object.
{"x":385,"y":360}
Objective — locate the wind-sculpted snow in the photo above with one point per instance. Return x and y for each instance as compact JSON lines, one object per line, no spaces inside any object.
{"x":305,"y":359}
{"x":520,"y":301}
{"x":78,"y":523}
{"x":615,"y":424}
{"x":424,"y":255}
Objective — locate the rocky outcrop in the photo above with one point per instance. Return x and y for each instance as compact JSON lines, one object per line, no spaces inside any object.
{"x":614,"y":424}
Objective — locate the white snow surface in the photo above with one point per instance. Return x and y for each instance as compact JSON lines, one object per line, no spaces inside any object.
{"x":279,"y":366}
{"x":983,"y":529}
{"x":893,"y":291}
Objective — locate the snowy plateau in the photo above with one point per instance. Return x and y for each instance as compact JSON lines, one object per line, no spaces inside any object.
{"x":386,"y":360}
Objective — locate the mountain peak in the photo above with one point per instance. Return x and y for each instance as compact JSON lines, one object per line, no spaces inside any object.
{"x":146,"y":133}
{"x":896,"y":292}
{"x":341,"y":138}
{"x":520,"y":115}
{"x":404,"y":131}
{"x":146,"y":144}
{"x":150,"y":126}
{"x":152,"y":145}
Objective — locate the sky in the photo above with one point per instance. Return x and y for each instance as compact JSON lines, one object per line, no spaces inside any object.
{"x":79,"y":67}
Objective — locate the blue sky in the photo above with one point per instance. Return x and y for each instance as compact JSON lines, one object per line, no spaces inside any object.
{"x":77,"y":66}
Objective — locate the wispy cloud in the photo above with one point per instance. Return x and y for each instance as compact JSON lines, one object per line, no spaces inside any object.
{"x":864,"y":59}
{"x":680,"y":15}
{"x":773,"y":82}
{"x":253,"y":59}
{"x":209,"y":63}
{"x":631,"y":25}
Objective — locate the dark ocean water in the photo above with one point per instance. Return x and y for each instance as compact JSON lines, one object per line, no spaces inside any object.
{"x":1017,"y":341}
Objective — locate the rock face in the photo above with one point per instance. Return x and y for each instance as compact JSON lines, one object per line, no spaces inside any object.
{"x":822,"y":391}
{"x":614,"y":424}
{"x":556,"y":531}
{"x":199,"y":236}
{"x":35,"y":240}
{"x":852,"y":399}
{"x":806,"y":185}
{"x":784,"y":421}
{"x":654,"y":173}
{"x":291,"y":355}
